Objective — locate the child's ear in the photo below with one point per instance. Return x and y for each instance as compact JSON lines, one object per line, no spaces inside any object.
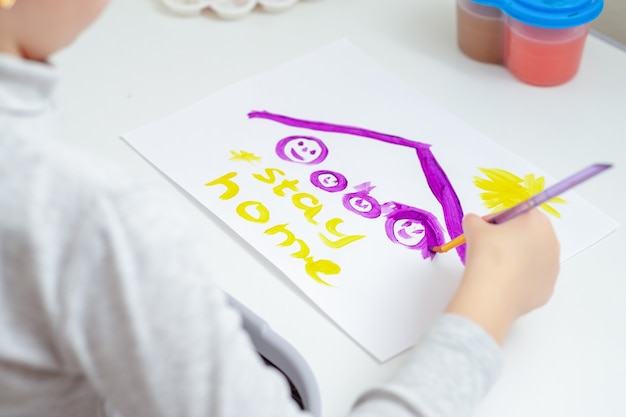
{"x":6,"y":4}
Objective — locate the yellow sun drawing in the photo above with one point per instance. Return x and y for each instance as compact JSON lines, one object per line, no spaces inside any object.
{"x":503,"y":190}
{"x":244,"y":156}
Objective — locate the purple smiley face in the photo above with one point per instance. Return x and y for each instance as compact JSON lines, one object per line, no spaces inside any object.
{"x":408,"y":232}
{"x":362,"y":204}
{"x":329,"y":181}
{"x":302,"y":149}
{"x":414,"y":228}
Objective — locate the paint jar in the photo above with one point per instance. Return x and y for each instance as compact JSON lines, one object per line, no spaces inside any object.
{"x":480,"y":31}
{"x":542,"y":40}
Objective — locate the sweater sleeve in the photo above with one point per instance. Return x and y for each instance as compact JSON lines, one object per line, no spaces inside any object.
{"x":142,"y":319}
{"x":446,"y":375}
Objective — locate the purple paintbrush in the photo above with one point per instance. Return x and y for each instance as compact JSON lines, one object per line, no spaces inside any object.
{"x":550,"y":192}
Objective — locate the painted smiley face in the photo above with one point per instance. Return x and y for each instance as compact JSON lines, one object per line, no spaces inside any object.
{"x":414,"y":229}
{"x":408,"y":232}
{"x":302,"y":149}
{"x":360,"y":204}
{"x":329,"y":181}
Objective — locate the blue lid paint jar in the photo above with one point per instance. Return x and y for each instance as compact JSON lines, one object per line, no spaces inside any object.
{"x":542,"y":41}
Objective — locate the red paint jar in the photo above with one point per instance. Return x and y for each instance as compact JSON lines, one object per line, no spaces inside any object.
{"x":543,"y":56}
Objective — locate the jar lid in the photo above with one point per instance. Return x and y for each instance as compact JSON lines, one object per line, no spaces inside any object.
{"x":549,"y":13}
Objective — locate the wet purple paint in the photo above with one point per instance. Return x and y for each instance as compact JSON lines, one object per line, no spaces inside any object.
{"x":298,"y":149}
{"x":329,"y":181}
{"x":361,"y":203}
{"x":408,"y":217}
{"x":436,"y":178}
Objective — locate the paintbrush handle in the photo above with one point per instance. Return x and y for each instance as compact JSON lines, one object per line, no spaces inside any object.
{"x":549,"y":193}
{"x":526,"y":205}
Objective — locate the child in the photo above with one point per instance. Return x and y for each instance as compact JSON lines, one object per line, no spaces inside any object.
{"x":106,"y":303}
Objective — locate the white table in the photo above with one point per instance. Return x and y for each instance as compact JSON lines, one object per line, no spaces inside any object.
{"x":139,"y":63}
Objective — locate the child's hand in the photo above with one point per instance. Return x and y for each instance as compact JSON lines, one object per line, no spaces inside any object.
{"x":511,"y":269}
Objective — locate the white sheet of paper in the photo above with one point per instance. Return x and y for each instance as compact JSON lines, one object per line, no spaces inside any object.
{"x":386,"y":293}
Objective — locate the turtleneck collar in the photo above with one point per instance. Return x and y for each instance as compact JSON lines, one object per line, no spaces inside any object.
{"x":25,"y":86}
